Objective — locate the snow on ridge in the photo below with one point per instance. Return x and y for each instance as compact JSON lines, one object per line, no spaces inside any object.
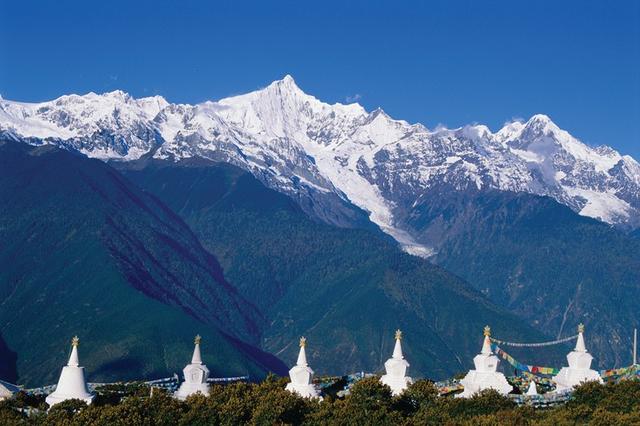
{"x":378,"y":163}
{"x":604,"y":206}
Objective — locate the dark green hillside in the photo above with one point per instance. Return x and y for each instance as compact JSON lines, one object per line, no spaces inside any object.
{"x":84,"y":252}
{"x":541,"y":260}
{"x":346,"y":290}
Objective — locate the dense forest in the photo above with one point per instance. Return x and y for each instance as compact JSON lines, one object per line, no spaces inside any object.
{"x":369,"y":402}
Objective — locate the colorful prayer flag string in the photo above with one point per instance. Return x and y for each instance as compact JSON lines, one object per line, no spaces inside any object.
{"x":533,"y":369}
{"x":534,"y":345}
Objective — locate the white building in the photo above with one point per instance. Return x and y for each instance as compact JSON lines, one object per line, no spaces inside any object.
{"x":485,"y":375}
{"x":7,"y":390}
{"x":579,"y":369}
{"x":302,"y":376}
{"x":195,"y":375}
{"x":72,"y":384}
{"x":532,"y":391}
{"x":396,"y":368}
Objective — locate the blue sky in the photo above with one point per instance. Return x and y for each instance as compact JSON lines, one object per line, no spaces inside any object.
{"x":449,"y":62}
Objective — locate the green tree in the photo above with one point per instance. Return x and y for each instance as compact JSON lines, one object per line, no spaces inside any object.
{"x":369,"y":402}
{"x":201,"y":410}
{"x":279,"y":406}
{"x":418,"y":395}
{"x":487,"y":401}
{"x":64,"y":412}
{"x":9,"y":415}
{"x":235,"y":403}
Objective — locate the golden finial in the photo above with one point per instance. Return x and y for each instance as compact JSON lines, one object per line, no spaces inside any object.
{"x":197,"y":340}
{"x":581,"y":328}
{"x":303,"y":342}
{"x":75,"y":341}
{"x":398,"y":334}
{"x":487,"y":331}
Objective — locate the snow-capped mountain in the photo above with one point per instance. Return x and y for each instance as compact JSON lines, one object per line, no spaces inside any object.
{"x":332,"y":154}
{"x":112,"y":125}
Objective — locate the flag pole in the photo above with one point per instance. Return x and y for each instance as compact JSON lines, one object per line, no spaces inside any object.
{"x":635,"y":345}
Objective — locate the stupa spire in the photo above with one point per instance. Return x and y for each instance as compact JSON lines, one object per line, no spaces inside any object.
{"x":73,"y":358}
{"x":196,"y":358}
{"x":486,"y":345}
{"x":397,"y":350}
{"x":302,"y":355}
{"x":580,"y":346}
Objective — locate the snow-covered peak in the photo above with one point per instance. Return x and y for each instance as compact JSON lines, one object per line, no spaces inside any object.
{"x":541,"y":140}
{"x":538,"y":123}
{"x":276,"y":109}
{"x":286,"y":81}
{"x":540,"y":119}
{"x":119,"y":95}
{"x":285,"y":90}
{"x":110,"y":125}
{"x":285,"y":93}
{"x":476,"y":132}
{"x":510,"y":130}
{"x":282,"y":109}
{"x":151,"y":106}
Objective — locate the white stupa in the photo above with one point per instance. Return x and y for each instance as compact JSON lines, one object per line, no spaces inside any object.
{"x":396,"y":368}
{"x":485,"y":375}
{"x":7,"y":390}
{"x":195,"y":375}
{"x":302,"y":375}
{"x":579,"y":369}
{"x":72,"y":384}
{"x":532,"y":391}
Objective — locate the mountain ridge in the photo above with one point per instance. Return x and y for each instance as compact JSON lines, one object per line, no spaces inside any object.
{"x":86,"y":252}
{"x":334,"y":157}
{"x":540,"y":260}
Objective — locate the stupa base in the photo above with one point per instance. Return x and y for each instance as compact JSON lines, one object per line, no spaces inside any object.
{"x":188,"y":389}
{"x":476,"y":381}
{"x":54,"y":398}
{"x":568,"y":378}
{"x":305,"y":391}
{"x":397,"y":384}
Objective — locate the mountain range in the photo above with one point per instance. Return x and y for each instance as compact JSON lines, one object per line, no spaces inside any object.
{"x":299,"y":202}
{"x":337,"y":156}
